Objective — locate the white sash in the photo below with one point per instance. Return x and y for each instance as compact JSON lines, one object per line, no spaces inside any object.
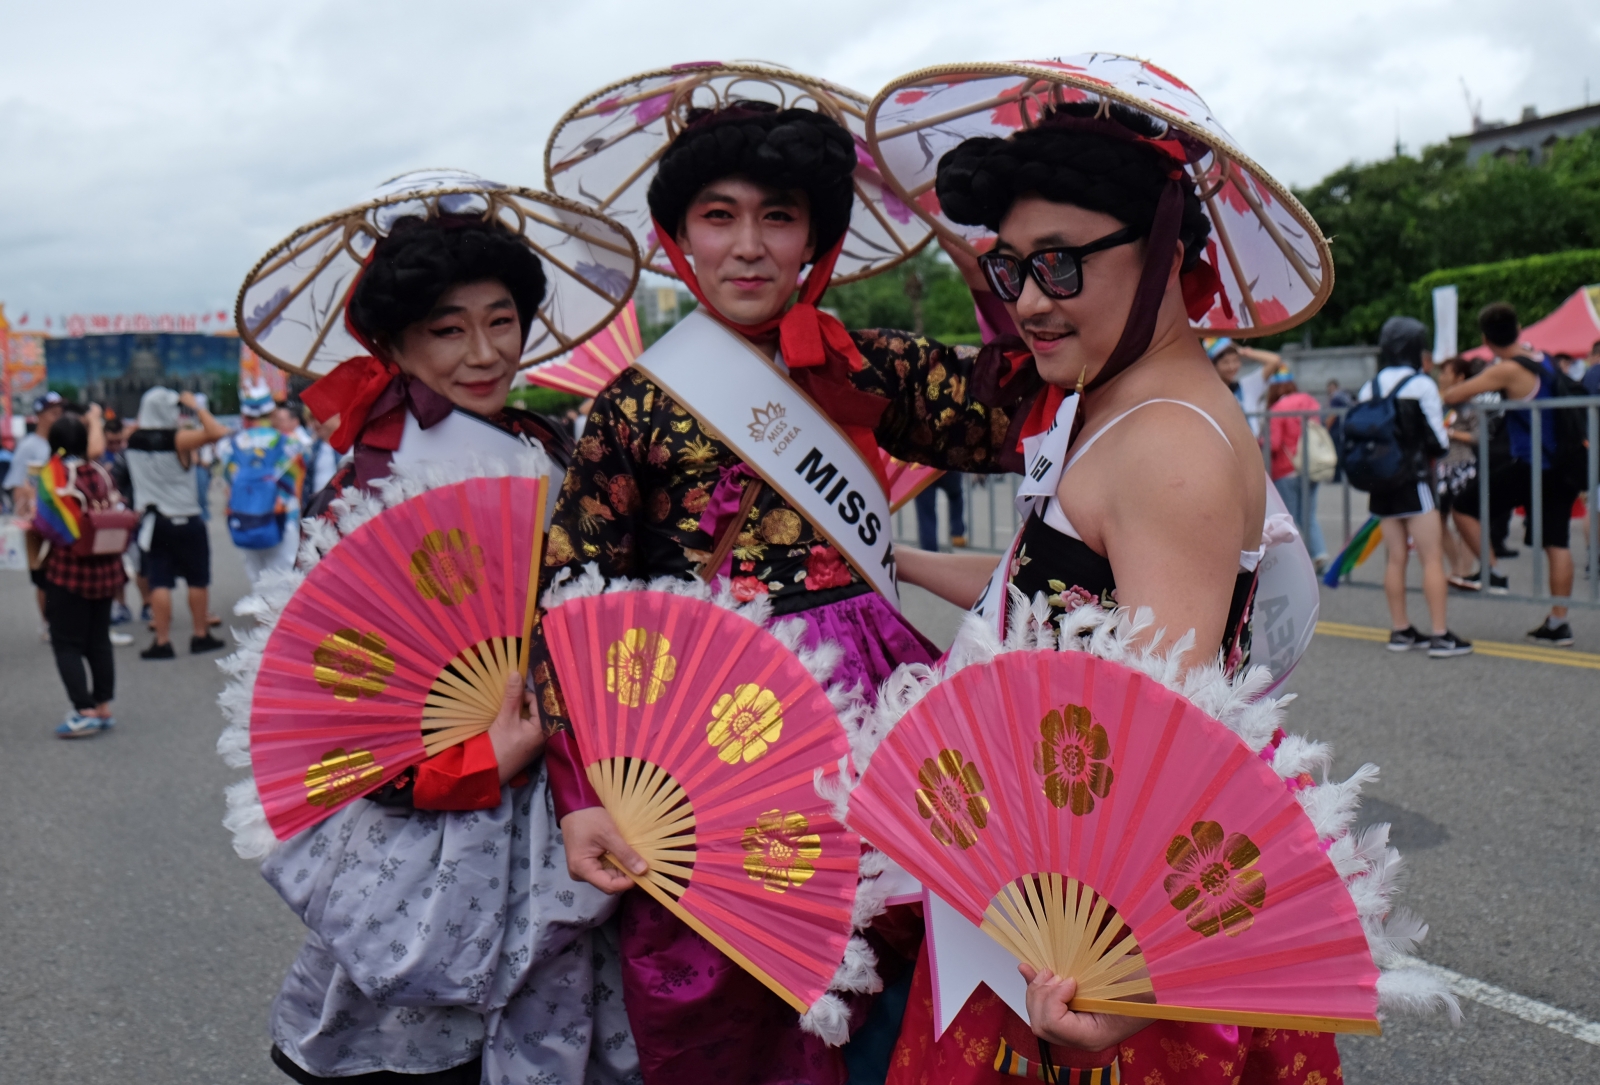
{"x":1044,"y":456}
{"x":775,"y":428}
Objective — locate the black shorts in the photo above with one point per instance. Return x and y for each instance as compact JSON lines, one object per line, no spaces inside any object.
{"x":37,"y":576}
{"x":1511,"y":487}
{"x":1410,"y":499}
{"x":179,"y":548}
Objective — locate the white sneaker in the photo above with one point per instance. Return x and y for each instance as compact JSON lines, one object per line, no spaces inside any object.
{"x":121,"y":640}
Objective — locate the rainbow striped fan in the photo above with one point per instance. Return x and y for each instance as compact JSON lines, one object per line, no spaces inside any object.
{"x":397,"y":645}
{"x":1099,"y":825}
{"x":702,"y":734}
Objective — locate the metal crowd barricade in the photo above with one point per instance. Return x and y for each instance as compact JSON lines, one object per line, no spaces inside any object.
{"x":991,"y":519}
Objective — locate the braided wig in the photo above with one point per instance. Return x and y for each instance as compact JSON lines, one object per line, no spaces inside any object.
{"x":782,"y":149}
{"x":423,"y":259}
{"x":1069,"y":162}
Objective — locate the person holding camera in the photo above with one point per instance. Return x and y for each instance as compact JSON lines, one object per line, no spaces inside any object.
{"x":172,"y":536}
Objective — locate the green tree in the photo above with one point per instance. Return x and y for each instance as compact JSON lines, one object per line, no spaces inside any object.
{"x":1392,"y":222}
{"x":883,"y":301}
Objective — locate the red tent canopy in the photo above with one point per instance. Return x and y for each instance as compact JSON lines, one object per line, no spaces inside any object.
{"x":1571,"y":329}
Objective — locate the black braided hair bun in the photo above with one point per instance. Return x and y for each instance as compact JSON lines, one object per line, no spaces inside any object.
{"x":981,"y":178}
{"x":423,"y":259}
{"x":780,"y":148}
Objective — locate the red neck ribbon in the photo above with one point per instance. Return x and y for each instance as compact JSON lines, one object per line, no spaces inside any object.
{"x":815,"y":346}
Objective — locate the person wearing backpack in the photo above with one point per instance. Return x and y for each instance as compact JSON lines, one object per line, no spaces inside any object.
{"x":265,"y":476}
{"x":79,"y":587}
{"x":1390,"y":436}
{"x":1524,"y":375}
{"x":1296,"y":453}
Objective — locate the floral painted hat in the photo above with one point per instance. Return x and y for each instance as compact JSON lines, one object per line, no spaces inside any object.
{"x":291,"y":308}
{"x":603,"y":152}
{"x":1274,"y":265}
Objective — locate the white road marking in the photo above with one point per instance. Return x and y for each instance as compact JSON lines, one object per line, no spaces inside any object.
{"x":1498,"y":998}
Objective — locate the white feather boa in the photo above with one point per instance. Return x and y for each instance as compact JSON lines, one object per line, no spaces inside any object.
{"x":245,"y":817}
{"x":1370,"y":868}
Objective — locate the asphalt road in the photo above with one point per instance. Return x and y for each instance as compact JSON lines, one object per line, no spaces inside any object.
{"x":137,"y":948}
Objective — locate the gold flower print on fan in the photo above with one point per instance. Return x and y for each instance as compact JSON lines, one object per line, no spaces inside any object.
{"x":339,"y":775}
{"x":1213,"y":879}
{"x":1071,"y":757}
{"x":352,"y":664}
{"x":780,"y":850}
{"x":639,"y":666}
{"x":446,"y":566}
{"x":744,"y":723}
{"x":949,"y":798}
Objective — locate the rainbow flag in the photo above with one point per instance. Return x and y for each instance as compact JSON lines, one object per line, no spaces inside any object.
{"x":57,"y":515}
{"x":1359,"y":549}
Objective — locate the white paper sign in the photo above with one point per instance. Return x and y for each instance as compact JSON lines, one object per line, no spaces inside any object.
{"x":1446,"y":339}
{"x":962,"y":957}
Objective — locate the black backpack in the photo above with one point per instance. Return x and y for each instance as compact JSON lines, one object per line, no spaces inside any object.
{"x":1377,"y":448}
{"x":1571,"y":426}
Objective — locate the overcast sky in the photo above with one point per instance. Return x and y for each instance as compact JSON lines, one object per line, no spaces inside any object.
{"x":149,"y":153}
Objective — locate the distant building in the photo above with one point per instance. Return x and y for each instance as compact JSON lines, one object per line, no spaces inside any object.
{"x":115,"y":370}
{"x":1530,"y":135}
{"x":658,"y":304}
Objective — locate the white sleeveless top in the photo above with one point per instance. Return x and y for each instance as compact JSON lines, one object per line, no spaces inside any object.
{"x":1056,"y":517}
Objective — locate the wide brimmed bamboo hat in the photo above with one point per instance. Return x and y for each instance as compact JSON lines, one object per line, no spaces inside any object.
{"x":1275,"y":266}
{"x":291,"y":308}
{"x":603,"y":152}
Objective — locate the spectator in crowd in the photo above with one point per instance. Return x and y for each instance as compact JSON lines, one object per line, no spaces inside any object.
{"x":32,"y":453}
{"x":1523,"y":374}
{"x":1285,"y":434}
{"x":266,"y":473}
{"x":172,"y":535}
{"x":205,"y":458}
{"x":1407,"y":510}
{"x":1458,"y":469}
{"x":1251,"y":389}
{"x":1591,"y":371}
{"x":1338,"y":399}
{"x":79,"y":589}
{"x":1565,"y":363}
{"x":7,"y":451}
{"x":115,"y":461}
{"x":949,"y":484}
{"x":322,"y":462}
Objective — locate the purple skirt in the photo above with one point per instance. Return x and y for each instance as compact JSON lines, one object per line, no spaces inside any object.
{"x":699,"y":1018}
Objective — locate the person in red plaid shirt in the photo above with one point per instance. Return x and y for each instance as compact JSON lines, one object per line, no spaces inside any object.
{"x":78,"y":594}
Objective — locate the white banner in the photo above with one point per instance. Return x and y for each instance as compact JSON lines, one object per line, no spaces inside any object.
{"x":751,"y":405}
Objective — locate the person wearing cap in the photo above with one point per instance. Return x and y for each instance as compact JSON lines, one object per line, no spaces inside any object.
{"x":31,"y":454}
{"x":260,"y":445}
{"x":747,"y":200}
{"x":1229,"y":356}
{"x":172,"y":535}
{"x":1408,"y":511}
{"x":1151,"y":494}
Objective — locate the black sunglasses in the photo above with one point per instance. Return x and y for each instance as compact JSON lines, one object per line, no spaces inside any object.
{"x":1059,"y":272}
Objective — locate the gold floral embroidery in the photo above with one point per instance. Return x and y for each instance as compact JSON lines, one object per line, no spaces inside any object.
{"x":638,"y":667}
{"x":779,"y":851}
{"x":445,"y":567}
{"x":949,"y":798}
{"x":697,"y":451}
{"x":1182,"y":1056}
{"x":557,"y":546}
{"x":1213,"y":879}
{"x":744,"y":723}
{"x":352,"y":664}
{"x":340,"y":775}
{"x":1072,"y":759}
{"x":781,"y":527}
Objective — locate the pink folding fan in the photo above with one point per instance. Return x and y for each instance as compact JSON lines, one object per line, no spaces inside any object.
{"x":397,"y":645}
{"x":702,"y":734}
{"x":1099,"y":825}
